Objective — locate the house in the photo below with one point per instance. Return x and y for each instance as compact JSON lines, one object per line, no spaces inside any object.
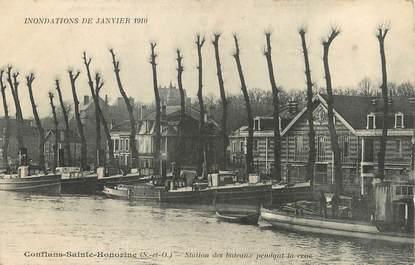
{"x":74,"y":142}
{"x":87,"y":113}
{"x":263,"y":144}
{"x":145,"y":137}
{"x":30,"y":139}
{"x":358,"y":122}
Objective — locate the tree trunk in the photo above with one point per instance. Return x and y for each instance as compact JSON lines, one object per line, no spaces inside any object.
{"x":276,"y":114}
{"x":41,"y":131}
{"x":224,"y":118}
{"x":107,"y":133}
{"x":338,"y":174}
{"x":202,"y":141}
{"x":181,"y":151}
{"x":79,"y":125}
{"x":14,"y":84}
{"x":56,"y":123}
{"x":381,"y":159}
{"x":99,"y":115}
{"x":133,"y":145}
{"x":157,"y":140}
{"x":6,"y":116}
{"x":249,"y":145}
{"x":311,"y":133}
{"x":67,"y":128}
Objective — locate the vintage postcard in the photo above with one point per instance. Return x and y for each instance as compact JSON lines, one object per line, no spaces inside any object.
{"x":207,"y":132}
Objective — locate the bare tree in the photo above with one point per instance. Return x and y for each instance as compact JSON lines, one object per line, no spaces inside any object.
{"x":182,"y":110}
{"x":338,"y":176}
{"x":56,"y":131}
{"x":6,"y":116}
{"x":157,"y":143}
{"x":79,"y":124}
{"x":276,"y":112}
{"x":224,"y":101}
{"x":14,"y":84}
{"x":99,"y":115}
{"x":40,"y":129}
{"x":311,"y":133}
{"x":67,"y":128}
{"x":381,"y":35}
{"x":202,"y":163}
{"x":133,"y":145}
{"x":98,"y":85}
{"x":249,"y":145}
{"x":365,"y":87}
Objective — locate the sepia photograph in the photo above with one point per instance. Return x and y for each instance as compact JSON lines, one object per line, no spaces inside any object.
{"x":207,"y":132}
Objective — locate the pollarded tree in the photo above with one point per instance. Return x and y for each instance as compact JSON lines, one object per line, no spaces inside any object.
{"x":56,"y":131}
{"x":381,"y":35}
{"x":202,"y":163}
{"x":99,"y":115}
{"x":14,"y":85}
{"x":181,"y":144}
{"x":6,"y":116}
{"x":68,"y":161}
{"x":157,"y":126}
{"x":133,"y":132}
{"x":79,"y":124}
{"x":224,"y":101}
{"x":311,"y":133}
{"x":29,"y":80}
{"x":249,"y":145}
{"x":338,"y":174}
{"x":276,"y":112}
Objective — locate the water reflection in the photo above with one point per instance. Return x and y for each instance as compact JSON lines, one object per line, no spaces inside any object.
{"x":93,"y":223}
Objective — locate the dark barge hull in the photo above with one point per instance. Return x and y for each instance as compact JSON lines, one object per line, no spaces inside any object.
{"x":82,"y":185}
{"x":251,"y":194}
{"x":44,"y":184}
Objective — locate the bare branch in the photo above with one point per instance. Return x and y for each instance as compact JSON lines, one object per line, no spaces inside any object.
{"x":200,"y":41}
{"x":29,"y":79}
{"x":333,"y":34}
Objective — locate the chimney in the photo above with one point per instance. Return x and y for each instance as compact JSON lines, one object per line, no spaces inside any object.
{"x":374,"y":102}
{"x":163,"y":112}
{"x":86,"y":99}
{"x":106,"y":99}
{"x":292,"y":107}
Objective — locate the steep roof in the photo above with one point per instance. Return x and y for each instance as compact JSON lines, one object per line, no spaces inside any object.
{"x":354,"y":109}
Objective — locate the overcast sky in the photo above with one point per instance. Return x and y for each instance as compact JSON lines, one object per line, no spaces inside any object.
{"x":49,"y":50}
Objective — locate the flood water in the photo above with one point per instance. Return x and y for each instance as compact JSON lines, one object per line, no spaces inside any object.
{"x":120,"y":232}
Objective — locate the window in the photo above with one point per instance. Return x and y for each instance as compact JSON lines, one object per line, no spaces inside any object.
{"x":234,"y":146}
{"x":116,"y":144}
{"x":321,"y":148}
{"x":321,"y":173}
{"x":399,"y":120}
{"x":371,"y":121}
{"x":255,"y":147}
{"x":399,"y":148}
{"x":298,"y":147}
{"x":256,"y":125}
{"x":345,"y":149}
{"x":127,"y":144}
{"x":241,"y":146}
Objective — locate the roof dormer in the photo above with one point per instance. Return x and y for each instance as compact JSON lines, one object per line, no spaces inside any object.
{"x":371,"y":121}
{"x":399,"y":120}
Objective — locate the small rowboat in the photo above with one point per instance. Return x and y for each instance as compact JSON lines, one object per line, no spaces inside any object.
{"x":248,"y":218}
